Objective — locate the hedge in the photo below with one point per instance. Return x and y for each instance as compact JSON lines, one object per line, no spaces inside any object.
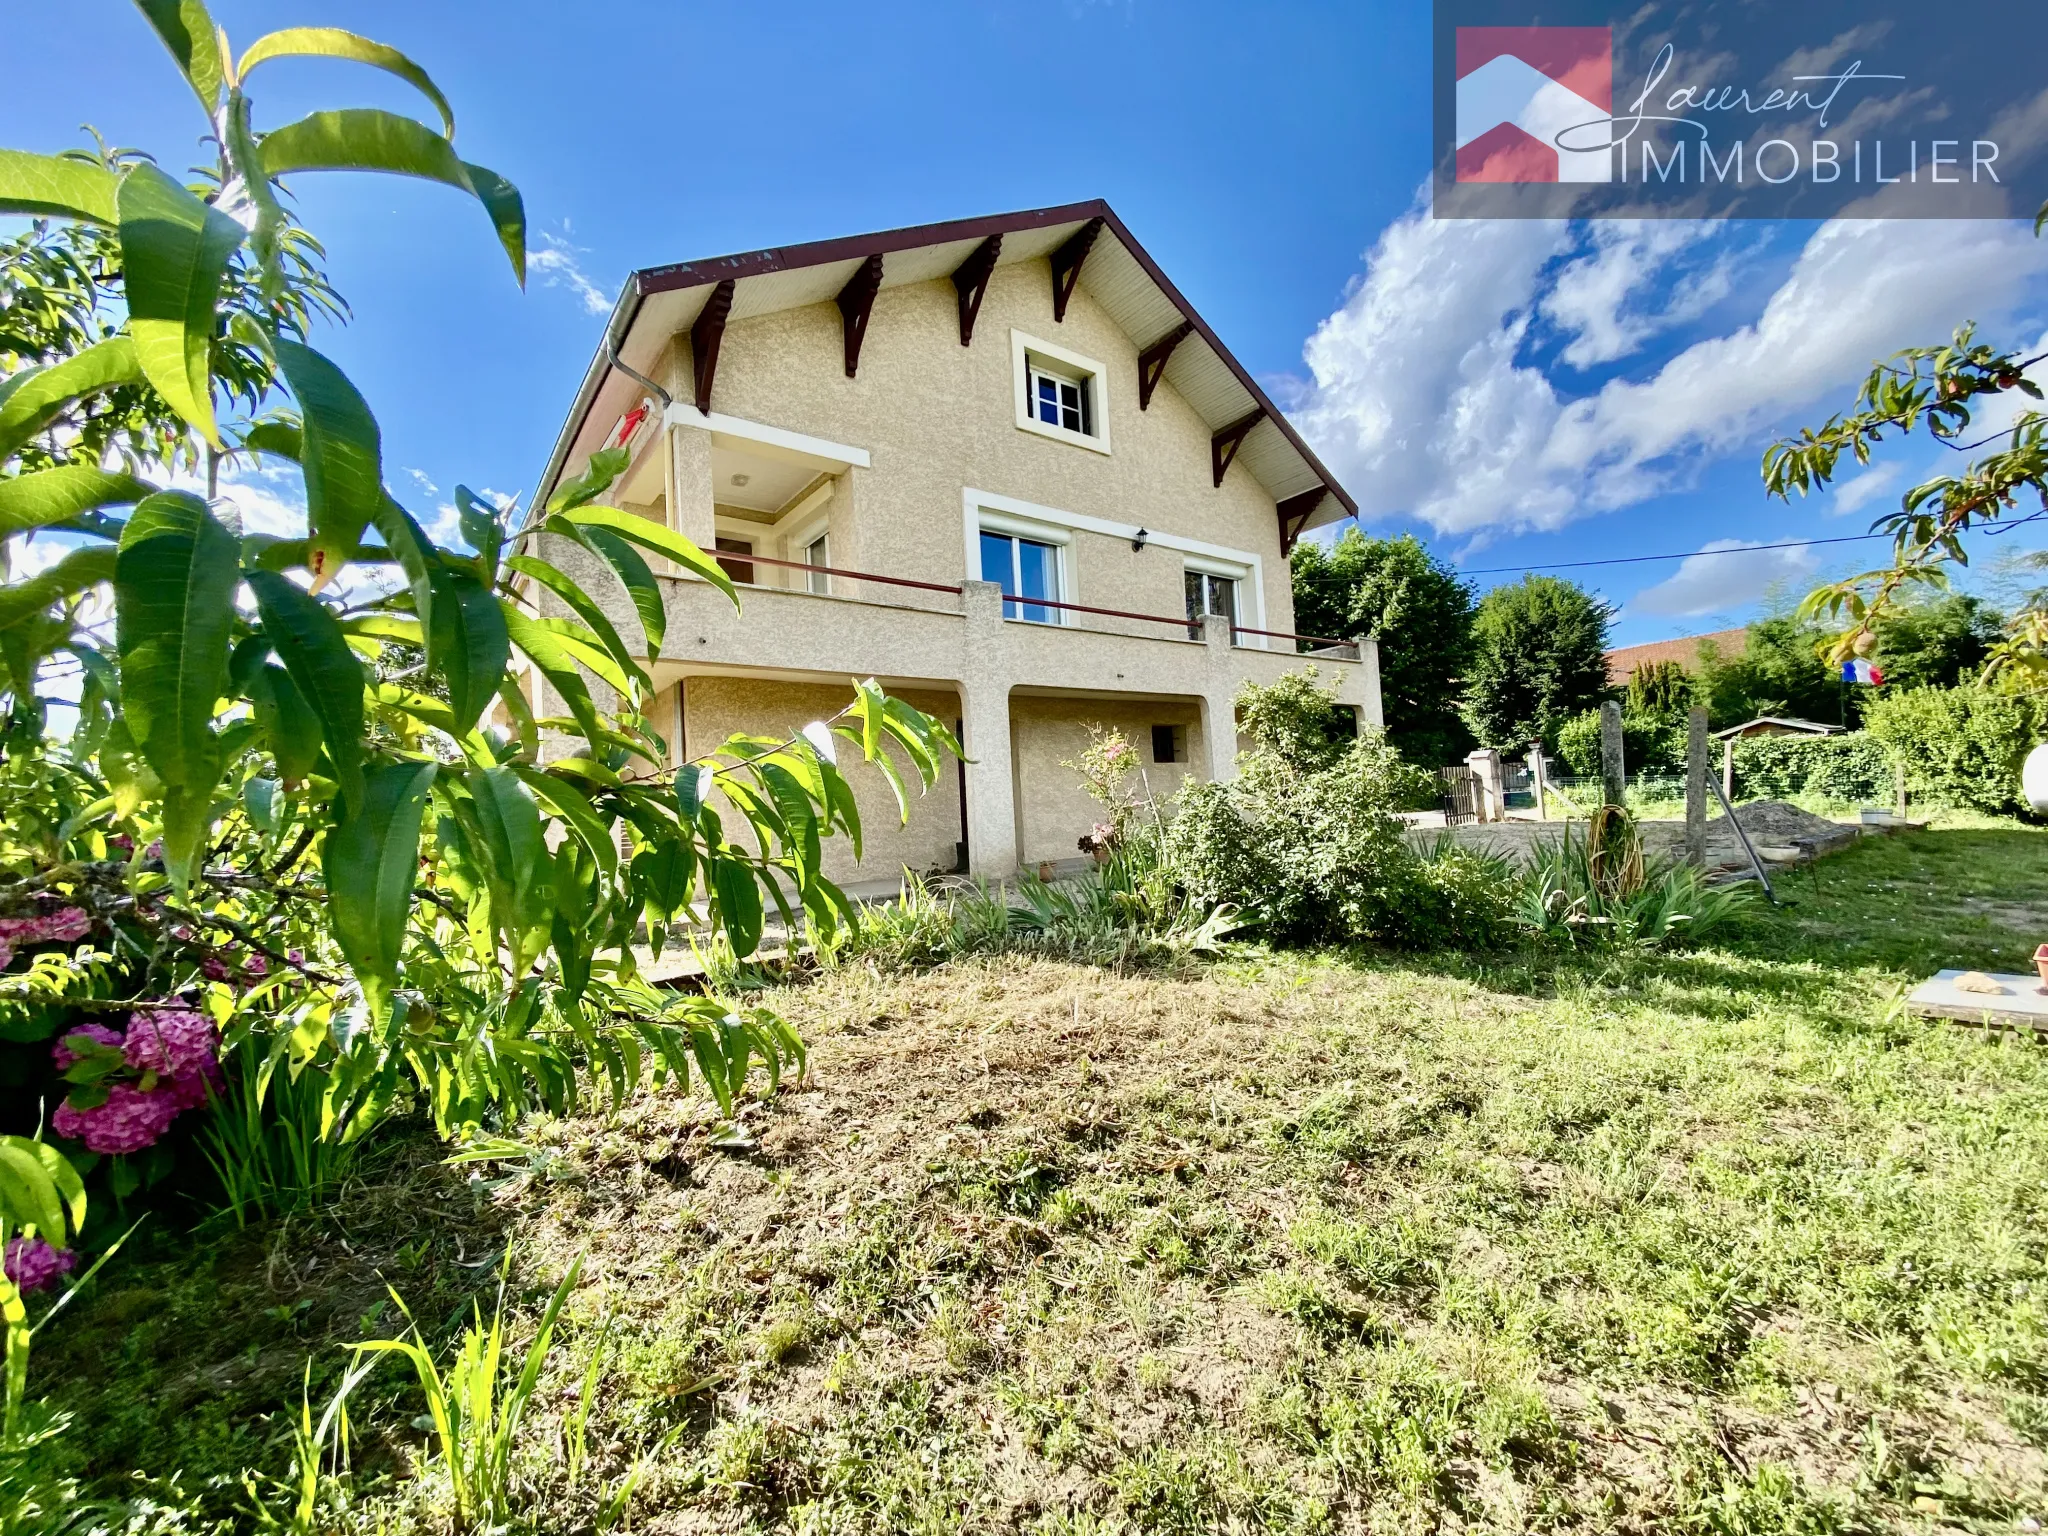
{"x":1961,"y":746}
{"x":1853,"y":766}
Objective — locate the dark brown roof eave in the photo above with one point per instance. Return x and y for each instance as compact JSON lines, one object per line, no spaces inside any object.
{"x":694,"y":274}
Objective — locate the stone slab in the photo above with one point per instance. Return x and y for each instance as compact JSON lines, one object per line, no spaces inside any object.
{"x":2024,"y":1001}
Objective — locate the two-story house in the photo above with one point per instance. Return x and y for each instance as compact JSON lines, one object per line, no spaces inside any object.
{"x":1001,"y":465}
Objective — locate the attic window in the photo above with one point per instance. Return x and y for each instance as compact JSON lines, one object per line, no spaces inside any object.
{"x":1059,"y":393}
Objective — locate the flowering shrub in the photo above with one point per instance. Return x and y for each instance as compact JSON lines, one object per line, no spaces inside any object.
{"x":175,"y":1053}
{"x":33,"y":1264}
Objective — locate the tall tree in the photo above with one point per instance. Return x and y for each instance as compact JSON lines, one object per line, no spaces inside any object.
{"x":1937,"y":641}
{"x":1779,"y":671}
{"x":1539,"y":657}
{"x":1422,"y":613}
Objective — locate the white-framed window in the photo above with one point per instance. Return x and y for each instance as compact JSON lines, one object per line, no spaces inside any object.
{"x":1059,"y":393}
{"x":818,"y":554}
{"x":1025,"y":568}
{"x":1210,"y":592}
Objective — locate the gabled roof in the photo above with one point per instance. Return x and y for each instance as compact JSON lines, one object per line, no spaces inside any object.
{"x":1783,"y":724}
{"x":1117,"y":272}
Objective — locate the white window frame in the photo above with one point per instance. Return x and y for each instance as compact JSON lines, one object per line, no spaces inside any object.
{"x":1010,"y":514}
{"x":816,"y":582}
{"x":1025,"y":351}
{"x":1225,"y":570}
{"x":1059,"y":539}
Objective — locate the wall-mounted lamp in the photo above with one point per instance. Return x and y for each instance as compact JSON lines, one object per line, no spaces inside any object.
{"x":1138,"y":543}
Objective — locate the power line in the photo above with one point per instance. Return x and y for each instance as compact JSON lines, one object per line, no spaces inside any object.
{"x":1738,"y":549}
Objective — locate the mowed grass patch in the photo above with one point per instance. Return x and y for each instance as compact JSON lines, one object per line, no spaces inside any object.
{"x":1715,"y":1240}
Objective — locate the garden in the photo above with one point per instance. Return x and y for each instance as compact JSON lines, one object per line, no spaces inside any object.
{"x":1282,"y":1172}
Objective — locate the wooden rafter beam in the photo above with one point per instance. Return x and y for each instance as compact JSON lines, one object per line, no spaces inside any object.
{"x":1152,"y":361}
{"x":706,"y":334}
{"x":970,"y":281}
{"x":856,"y":303}
{"x":1295,"y":511}
{"x":1224,"y":445}
{"x":1066,"y":266}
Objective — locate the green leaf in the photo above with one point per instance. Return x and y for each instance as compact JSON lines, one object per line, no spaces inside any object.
{"x":343,"y":458}
{"x":188,"y":31}
{"x":590,"y":829}
{"x":366,"y":139}
{"x":174,"y":250}
{"x":664,"y":874}
{"x":290,"y":728}
{"x":736,"y":904}
{"x":408,"y":543}
{"x":565,"y":587}
{"x":77,"y":571}
{"x":690,"y":787}
{"x":32,"y":398}
{"x":482,"y":527}
{"x":174,"y":588}
{"x":605,"y":466}
{"x":334,"y":43}
{"x":513,"y":838}
{"x":649,"y":534}
{"x":50,"y":186}
{"x":371,"y":860}
{"x":58,"y":495}
{"x":556,"y":665}
{"x":309,"y":641}
{"x":468,"y":644}
{"x":638,"y":579}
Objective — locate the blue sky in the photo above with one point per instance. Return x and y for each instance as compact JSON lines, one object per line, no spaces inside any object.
{"x":1515,"y":393}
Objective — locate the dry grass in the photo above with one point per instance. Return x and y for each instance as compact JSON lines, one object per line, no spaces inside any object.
{"x":1711,"y":1241}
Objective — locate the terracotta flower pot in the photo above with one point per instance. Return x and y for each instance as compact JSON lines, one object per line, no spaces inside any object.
{"x":2041,"y":963}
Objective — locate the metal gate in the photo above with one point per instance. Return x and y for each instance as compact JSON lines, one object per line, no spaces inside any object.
{"x":1461,"y":794}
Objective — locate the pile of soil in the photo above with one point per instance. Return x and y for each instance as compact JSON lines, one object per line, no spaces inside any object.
{"x":1774,"y":824}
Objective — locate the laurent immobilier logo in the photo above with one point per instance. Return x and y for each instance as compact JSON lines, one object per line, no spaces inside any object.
{"x":1521,"y":92}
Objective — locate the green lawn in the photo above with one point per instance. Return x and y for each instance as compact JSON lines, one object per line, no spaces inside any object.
{"x":1710,"y":1241}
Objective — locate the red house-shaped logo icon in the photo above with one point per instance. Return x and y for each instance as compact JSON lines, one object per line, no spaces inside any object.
{"x":1521,"y":90}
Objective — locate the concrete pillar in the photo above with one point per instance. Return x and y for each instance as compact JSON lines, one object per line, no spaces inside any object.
{"x":1539,"y":780}
{"x":1485,"y":766}
{"x":985,"y":721}
{"x":1696,"y":788}
{"x":689,"y":484}
{"x":1219,"y":700}
{"x":1728,"y":769}
{"x":1369,"y":664}
{"x":1613,"y":770}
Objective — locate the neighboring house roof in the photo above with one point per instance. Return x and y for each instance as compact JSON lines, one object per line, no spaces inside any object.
{"x":1623,"y":661}
{"x":1118,"y":273}
{"x":1780,"y":725}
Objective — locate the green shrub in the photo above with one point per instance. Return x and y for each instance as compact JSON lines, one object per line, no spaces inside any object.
{"x":1319,"y":855}
{"x":1296,"y":719}
{"x":1649,"y":743}
{"x":1961,"y":746}
{"x":1854,"y":766}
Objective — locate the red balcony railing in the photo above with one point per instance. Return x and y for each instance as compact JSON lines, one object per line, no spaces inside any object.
{"x":1347,"y":649}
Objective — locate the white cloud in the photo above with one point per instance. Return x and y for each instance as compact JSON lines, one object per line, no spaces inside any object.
{"x":1861,"y":490}
{"x":1600,"y":298}
{"x":556,"y":263}
{"x":1727,"y":574}
{"x":1419,"y":401}
{"x":420,"y":478}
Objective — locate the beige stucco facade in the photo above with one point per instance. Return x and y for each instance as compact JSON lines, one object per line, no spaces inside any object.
{"x":898,"y":468}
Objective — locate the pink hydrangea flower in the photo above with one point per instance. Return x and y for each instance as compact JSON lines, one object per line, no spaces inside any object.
{"x":169,"y":1041}
{"x":127,"y":1122}
{"x":32,"y":1263}
{"x":66,"y":925}
{"x":63,"y":1051}
{"x":180,"y":1046}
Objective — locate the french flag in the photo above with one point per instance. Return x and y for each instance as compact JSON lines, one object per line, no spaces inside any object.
{"x":1857,"y":670}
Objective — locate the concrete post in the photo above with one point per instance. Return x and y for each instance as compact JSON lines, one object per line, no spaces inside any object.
{"x":985,"y":719}
{"x":1613,"y":769}
{"x":1728,"y":769}
{"x":1485,"y":766}
{"x":1219,"y":700}
{"x":1696,"y":788}
{"x":689,"y":485}
{"x":1539,"y":779}
{"x":1369,"y":664}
